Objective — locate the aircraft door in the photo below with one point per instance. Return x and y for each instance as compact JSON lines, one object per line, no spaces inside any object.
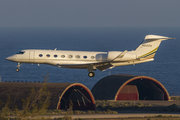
{"x":31,"y":56}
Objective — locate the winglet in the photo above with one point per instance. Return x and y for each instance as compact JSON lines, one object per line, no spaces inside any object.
{"x":121,"y":55}
{"x":106,"y":65}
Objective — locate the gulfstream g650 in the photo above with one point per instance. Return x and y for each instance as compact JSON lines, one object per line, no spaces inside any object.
{"x":91,"y":60}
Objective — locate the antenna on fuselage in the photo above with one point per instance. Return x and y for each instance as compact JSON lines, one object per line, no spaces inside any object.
{"x":55,"y":49}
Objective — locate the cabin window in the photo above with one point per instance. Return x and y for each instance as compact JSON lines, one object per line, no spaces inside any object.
{"x":70,"y":56}
{"x":63,"y":56}
{"x":85,"y":57}
{"x":92,"y":57}
{"x":77,"y":56}
{"x":40,"y":55}
{"x":47,"y":55}
{"x":20,"y":52}
{"x":55,"y":56}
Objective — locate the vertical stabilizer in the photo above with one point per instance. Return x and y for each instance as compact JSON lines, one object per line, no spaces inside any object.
{"x":149,"y":46}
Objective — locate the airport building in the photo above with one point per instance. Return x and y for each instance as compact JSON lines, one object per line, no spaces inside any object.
{"x":113,"y":87}
{"x":129,"y":87}
{"x":61,"y":94}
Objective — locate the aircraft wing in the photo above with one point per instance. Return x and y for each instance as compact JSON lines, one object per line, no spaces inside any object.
{"x":106,"y":65}
{"x":98,"y":65}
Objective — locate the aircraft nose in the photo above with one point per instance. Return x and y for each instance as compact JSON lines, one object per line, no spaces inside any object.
{"x":11,"y":58}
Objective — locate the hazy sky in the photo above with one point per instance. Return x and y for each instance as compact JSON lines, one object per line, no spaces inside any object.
{"x":89,"y":13}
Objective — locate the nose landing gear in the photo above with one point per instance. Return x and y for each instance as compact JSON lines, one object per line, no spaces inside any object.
{"x":18,"y":67}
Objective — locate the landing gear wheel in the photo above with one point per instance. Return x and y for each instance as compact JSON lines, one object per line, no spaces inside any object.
{"x":91,"y":74}
{"x":17,"y":70}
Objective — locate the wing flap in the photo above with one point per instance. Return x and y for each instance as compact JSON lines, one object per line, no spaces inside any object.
{"x":104,"y":66}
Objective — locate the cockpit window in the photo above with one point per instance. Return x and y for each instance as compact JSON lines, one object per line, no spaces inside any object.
{"x":20,"y":52}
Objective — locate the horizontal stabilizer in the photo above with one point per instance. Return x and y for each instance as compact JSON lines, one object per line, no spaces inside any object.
{"x":156,"y":37}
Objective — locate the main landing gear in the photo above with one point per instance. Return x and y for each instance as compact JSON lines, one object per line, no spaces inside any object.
{"x":91,"y":74}
{"x":18,"y":67}
{"x":90,"y":70}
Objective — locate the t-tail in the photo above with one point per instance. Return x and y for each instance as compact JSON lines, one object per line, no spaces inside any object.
{"x":149,"y":46}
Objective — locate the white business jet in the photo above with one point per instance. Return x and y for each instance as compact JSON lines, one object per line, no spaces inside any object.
{"x":91,"y":60}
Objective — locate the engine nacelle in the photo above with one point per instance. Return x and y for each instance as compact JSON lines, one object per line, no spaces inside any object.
{"x":101,"y":57}
{"x":113,"y":54}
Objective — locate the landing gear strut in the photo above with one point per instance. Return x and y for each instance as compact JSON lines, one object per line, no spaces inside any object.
{"x":90,"y":70}
{"x":18,"y":67}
